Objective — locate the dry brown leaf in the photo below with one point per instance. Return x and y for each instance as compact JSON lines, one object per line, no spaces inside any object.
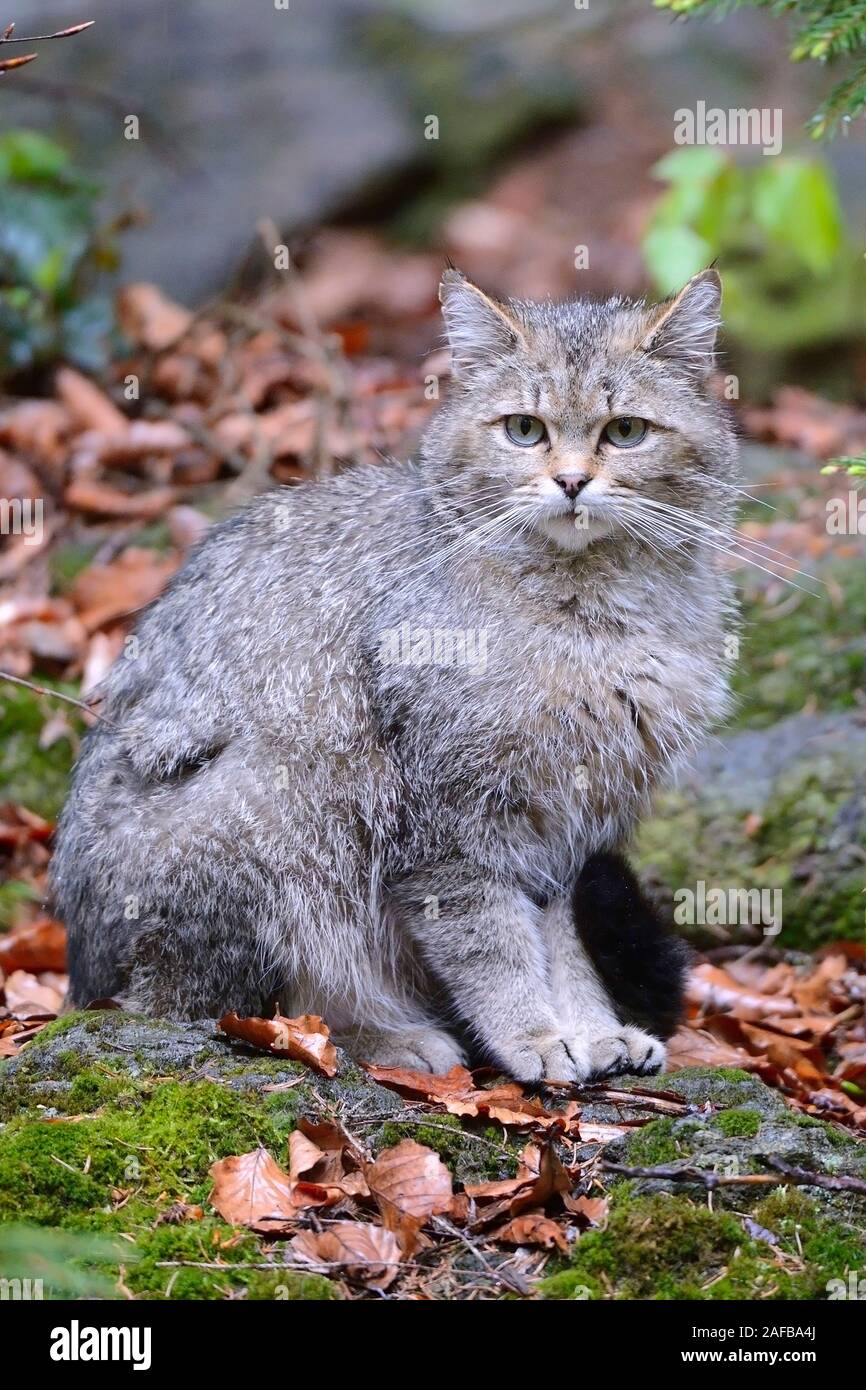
{"x":87,"y":495}
{"x":423,"y":1085}
{"x":304,"y":1155}
{"x":104,"y":593}
{"x":410,"y":1183}
{"x":692,"y":1046}
{"x":364,"y":1252}
{"x":147,"y":317}
{"x":304,"y":1039}
{"x":456,"y":1091}
{"x":533,"y":1229}
{"x":713,"y":988}
{"x":552,"y":1181}
{"x":90,"y":408}
{"x":816,"y":990}
{"x":34,"y":946}
{"x":177,"y":1213}
{"x":590,"y":1211}
{"x":27,"y":996}
{"x":252,"y":1190}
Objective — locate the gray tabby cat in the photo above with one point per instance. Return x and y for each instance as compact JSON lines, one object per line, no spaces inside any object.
{"x":376,"y":725}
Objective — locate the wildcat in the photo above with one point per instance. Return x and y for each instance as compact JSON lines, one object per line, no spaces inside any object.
{"x":376,"y":727}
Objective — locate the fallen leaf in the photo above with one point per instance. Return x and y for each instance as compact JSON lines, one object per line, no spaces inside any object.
{"x":89,"y":406}
{"x":34,"y":946}
{"x":177,"y":1213}
{"x":86,"y":495}
{"x":590,"y":1211}
{"x":457,"y":1092}
{"x":252,"y":1190}
{"x":26,"y":995}
{"x":409,"y":1181}
{"x":104,"y":593}
{"x":149,"y":318}
{"x":364,"y":1252}
{"x":423,"y":1085}
{"x":533,"y":1229}
{"x":552,"y":1181}
{"x":304,"y":1039}
{"x":713,"y":988}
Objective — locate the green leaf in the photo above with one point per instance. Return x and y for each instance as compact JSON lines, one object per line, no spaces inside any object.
{"x":673,"y":255}
{"x":25,"y":154}
{"x":691,"y":164}
{"x":796,"y":205}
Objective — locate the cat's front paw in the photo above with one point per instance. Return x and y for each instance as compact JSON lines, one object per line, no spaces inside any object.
{"x":545,"y":1056}
{"x":629,"y":1049}
{"x":418,"y":1049}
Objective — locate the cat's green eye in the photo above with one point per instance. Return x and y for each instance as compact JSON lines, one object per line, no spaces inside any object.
{"x":625,"y":431}
{"x":525,"y":429}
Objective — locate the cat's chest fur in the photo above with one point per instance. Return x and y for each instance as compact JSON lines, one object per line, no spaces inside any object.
{"x":550,"y":744}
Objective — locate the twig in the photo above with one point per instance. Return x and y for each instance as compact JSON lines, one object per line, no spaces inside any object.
{"x":670,"y":1173}
{"x":800,"y":1177}
{"x":509,"y":1280}
{"x":428,"y":1121}
{"x":6,"y":37}
{"x":9,"y":64}
{"x":56,"y":695}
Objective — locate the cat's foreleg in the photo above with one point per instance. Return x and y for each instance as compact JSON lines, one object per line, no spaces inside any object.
{"x":584,"y":1007}
{"x":483,"y":940}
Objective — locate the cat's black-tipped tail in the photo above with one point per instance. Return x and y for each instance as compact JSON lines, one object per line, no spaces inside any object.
{"x":642,"y":965}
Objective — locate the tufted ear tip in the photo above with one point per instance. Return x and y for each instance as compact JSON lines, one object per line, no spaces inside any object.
{"x":450,"y":278}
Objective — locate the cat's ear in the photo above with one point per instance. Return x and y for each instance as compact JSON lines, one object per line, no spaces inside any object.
{"x":684,"y":328}
{"x":479,"y":329}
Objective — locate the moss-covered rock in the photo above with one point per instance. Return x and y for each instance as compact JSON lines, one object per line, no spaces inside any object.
{"x":807,"y":651}
{"x":665,"y":1240}
{"x":668,"y":1246}
{"x":110,"y":1120}
{"x":781,"y":809}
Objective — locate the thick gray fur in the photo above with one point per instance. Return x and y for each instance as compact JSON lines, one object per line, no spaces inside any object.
{"x":295,"y":800}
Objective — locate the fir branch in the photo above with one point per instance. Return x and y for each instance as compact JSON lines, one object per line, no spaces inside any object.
{"x":827,"y":31}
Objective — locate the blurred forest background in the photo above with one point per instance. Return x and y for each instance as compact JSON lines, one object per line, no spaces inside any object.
{"x":222,"y":232}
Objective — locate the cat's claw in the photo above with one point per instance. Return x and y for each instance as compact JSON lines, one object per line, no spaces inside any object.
{"x":582,"y":1059}
{"x":544,"y":1057}
{"x":628,"y":1050}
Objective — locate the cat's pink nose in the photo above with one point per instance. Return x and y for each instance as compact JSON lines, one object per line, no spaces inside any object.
{"x":571,"y":483}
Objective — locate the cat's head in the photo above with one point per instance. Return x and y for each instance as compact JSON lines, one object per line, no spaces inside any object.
{"x":583,"y":419}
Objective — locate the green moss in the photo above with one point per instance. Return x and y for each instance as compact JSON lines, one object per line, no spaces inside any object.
{"x":51,"y":1172}
{"x":58,"y":1027}
{"x":653,"y":1144}
{"x":150,"y":1142}
{"x":665,"y":1246}
{"x":173,"y":1258}
{"x":32,"y":776}
{"x":736,"y":1123}
{"x":802,"y":846}
{"x":91,"y":1090}
{"x":660,"y":1247}
{"x":815,"y":649}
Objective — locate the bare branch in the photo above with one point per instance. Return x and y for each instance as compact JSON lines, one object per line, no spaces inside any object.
{"x":56,"y":695}
{"x":41,"y":38}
